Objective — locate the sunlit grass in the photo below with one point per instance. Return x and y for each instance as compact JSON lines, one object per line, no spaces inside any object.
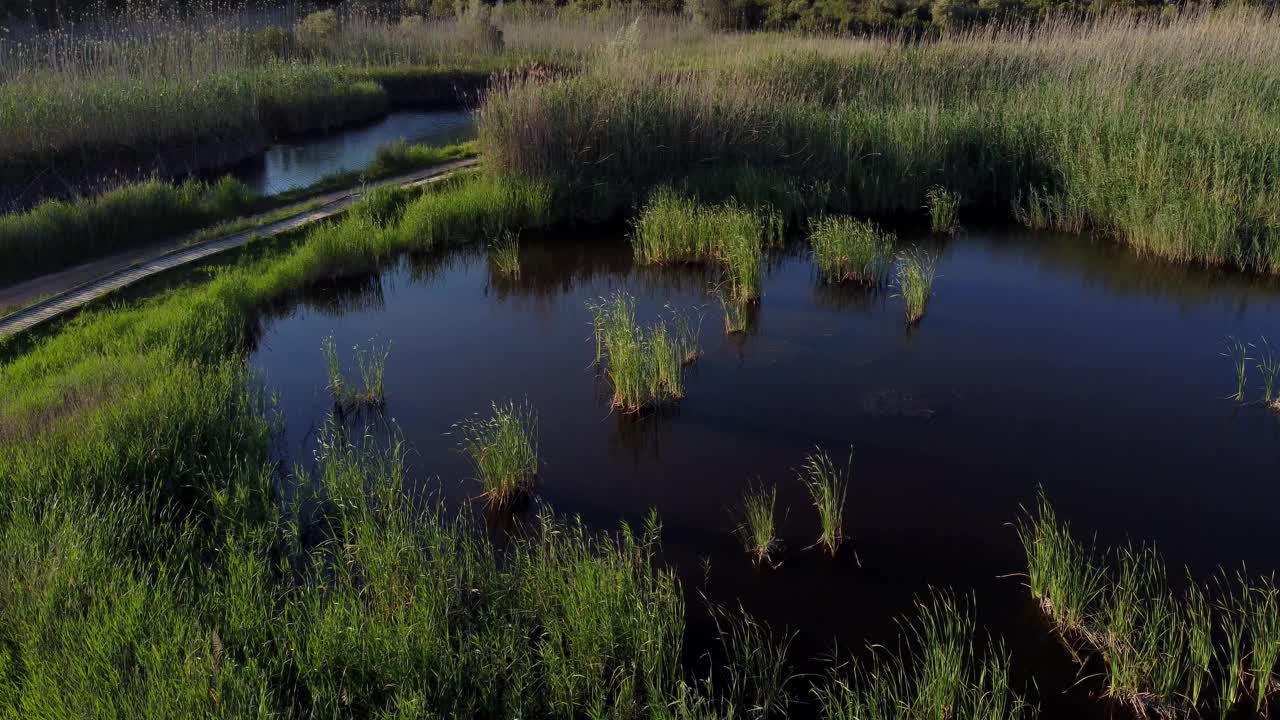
{"x":371,"y":363}
{"x":1160,"y":651}
{"x":503,"y":450}
{"x":645,"y":365}
{"x":846,"y":249}
{"x":915,"y":273}
{"x":672,"y":228}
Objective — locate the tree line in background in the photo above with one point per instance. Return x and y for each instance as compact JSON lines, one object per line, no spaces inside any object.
{"x":838,"y":16}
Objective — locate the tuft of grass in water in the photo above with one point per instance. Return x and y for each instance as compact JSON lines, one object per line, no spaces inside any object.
{"x":1269,"y":367}
{"x":737,"y":315}
{"x":1198,"y":621}
{"x":1233,"y":621}
{"x":503,"y":450}
{"x":828,"y":486}
{"x":1063,"y":574}
{"x":1238,"y":352}
{"x":504,"y":254}
{"x":916,"y":271}
{"x":944,"y":209}
{"x":371,"y":363}
{"x":646,"y":366}
{"x":672,"y":228}
{"x":1264,"y":641}
{"x":846,"y":249}
{"x":938,"y":672}
{"x":1140,"y":644}
{"x":757,"y":528}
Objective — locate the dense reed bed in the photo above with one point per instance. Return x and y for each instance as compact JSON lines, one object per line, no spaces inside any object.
{"x":1208,"y":650}
{"x":1155,"y":133}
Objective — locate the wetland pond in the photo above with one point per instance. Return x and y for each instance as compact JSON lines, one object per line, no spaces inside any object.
{"x":1042,"y":361}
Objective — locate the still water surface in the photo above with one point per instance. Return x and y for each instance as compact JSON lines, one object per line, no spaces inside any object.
{"x":1043,"y":361}
{"x":288,"y":166}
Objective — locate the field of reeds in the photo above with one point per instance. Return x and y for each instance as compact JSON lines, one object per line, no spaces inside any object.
{"x":1156,"y":133}
{"x":113,"y":97}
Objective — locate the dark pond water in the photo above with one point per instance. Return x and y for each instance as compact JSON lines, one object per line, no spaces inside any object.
{"x":1042,"y":361}
{"x":288,"y":166}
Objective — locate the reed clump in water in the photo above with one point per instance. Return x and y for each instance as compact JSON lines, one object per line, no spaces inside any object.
{"x":1160,"y":650}
{"x":371,"y":363}
{"x":757,"y":527}
{"x":503,"y":450}
{"x":828,"y":486}
{"x":672,"y":228}
{"x":916,"y":271}
{"x":644,"y":365}
{"x":944,"y":209}
{"x":504,"y":254}
{"x":846,"y":249}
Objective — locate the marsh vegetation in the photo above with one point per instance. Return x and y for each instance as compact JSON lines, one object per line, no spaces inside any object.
{"x":1203,"y":651}
{"x":850,"y":250}
{"x":916,"y":270}
{"x":152,"y":529}
{"x":645,"y":365}
{"x":503,"y":450}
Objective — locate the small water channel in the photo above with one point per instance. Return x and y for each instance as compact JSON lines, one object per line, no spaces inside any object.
{"x":292,"y":165}
{"x":1043,"y":361}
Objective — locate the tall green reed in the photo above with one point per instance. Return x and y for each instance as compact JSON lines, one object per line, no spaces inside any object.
{"x":828,"y":487}
{"x":1238,"y":353}
{"x":944,"y":209}
{"x":503,"y":450}
{"x":645,"y":365}
{"x":847,"y":249}
{"x":757,"y":527}
{"x":916,"y":271}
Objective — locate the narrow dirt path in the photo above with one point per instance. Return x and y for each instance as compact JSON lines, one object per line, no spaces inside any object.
{"x":75,"y":287}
